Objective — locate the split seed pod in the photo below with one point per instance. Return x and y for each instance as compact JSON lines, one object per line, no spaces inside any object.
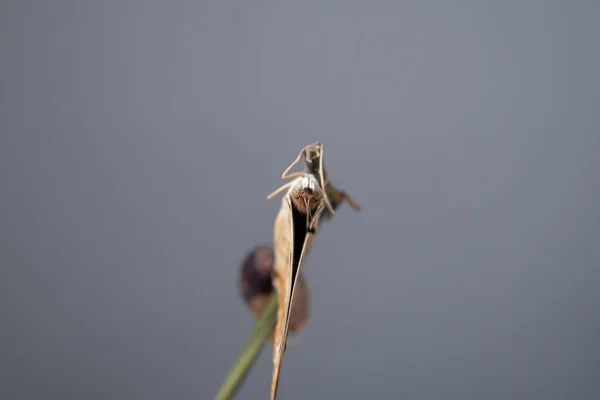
{"x":296,"y":226}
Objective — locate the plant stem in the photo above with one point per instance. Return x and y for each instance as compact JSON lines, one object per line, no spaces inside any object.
{"x":237,"y":374}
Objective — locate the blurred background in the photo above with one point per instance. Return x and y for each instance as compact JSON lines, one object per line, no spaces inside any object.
{"x":139,"y":139}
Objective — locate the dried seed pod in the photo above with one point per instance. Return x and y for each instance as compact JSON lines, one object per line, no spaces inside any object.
{"x":256,"y":286}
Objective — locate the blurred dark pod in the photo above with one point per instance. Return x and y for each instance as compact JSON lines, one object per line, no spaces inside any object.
{"x":256,"y":287}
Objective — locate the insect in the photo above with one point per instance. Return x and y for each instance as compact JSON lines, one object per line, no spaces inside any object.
{"x":313,"y":158}
{"x":296,"y":226}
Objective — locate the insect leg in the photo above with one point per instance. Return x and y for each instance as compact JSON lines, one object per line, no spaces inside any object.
{"x":351,"y":202}
{"x":322,"y":176}
{"x":315,"y":219}
{"x":303,"y":152}
{"x":281,"y":189}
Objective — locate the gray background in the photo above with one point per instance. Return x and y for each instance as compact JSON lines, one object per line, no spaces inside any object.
{"x":140,"y":138}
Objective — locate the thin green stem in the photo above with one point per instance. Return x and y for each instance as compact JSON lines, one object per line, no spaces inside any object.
{"x":237,"y":374}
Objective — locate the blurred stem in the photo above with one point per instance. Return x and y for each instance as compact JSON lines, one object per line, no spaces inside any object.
{"x":237,"y":374}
